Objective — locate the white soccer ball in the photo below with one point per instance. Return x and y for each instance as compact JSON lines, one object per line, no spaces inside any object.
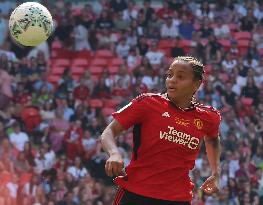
{"x":30,"y":24}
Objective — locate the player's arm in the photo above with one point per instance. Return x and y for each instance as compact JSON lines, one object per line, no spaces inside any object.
{"x":213,"y":150}
{"x":114,"y":164}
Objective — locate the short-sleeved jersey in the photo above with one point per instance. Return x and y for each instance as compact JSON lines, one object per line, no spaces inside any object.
{"x":166,"y":143}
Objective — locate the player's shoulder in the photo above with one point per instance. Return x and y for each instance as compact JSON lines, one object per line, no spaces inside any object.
{"x":209,"y":111}
{"x":149,"y":96}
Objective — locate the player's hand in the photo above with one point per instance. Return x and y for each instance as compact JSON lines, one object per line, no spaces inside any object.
{"x":114,"y":165}
{"x":211,"y":185}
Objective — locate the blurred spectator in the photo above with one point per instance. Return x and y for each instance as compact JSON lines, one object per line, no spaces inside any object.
{"x":168,"y":30}
{"x":177,"y":50}
{"x":81,"y":37}
{"x":130,"y":12}
{"x":222,"y":29}
{"x":118,"y":5}
{"x":104,"y":21}
{"x":186,"y":28}
{"x":122,"y":48}
{"x":18,"y":138}
{"x":154,"y":56}
{"x":248,"y":21}
{"x":204,"y":12}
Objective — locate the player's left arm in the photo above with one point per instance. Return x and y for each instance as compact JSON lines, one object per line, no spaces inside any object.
{"x":213,"y":150}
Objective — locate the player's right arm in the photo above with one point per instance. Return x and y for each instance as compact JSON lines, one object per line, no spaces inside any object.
{"x":114,"y":164}
{"x":133,"y":113}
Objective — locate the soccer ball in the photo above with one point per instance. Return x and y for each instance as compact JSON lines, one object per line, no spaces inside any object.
{"x":30,"y":24}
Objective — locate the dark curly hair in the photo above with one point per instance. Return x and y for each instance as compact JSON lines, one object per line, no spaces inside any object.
{"x":198,"y":67}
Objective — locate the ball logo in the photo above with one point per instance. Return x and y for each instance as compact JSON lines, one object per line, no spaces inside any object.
{"x":198,"y":123}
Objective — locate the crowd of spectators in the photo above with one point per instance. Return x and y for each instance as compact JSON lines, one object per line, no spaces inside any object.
{"x":49,"y":130}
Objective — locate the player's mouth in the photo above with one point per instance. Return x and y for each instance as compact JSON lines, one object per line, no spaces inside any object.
{"x":171,"y":89}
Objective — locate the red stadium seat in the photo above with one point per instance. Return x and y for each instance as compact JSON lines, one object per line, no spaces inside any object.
{"x":56,"y":45}
{"x":94,"y":103}
{"x":99,"y":62}
{"x":243,"y":35}
{"x":53,"y":79}
{"x":107,"y":111}
{"x":57,"y":70}
{"x":225,"y":43}
{"x":111,"y":103}
{"x":166,"y":51}
{"x":77,"y":70}
{"x":116,"y":62}
{"x":83,"y":54}
{"x":113,"y":70}
{"x":61,"y":62}
{"x":186,"y":45}
{"x":242,"y":46}
{"x":165,"y":43}
{"x":96,"y":70}
{"x":76,"y":77}
{"x":80,"y":62}
{"x":232,"y":26}
{"x":104,"y":54}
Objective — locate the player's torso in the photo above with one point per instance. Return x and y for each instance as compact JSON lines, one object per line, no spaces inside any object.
{"x":171,"y":132}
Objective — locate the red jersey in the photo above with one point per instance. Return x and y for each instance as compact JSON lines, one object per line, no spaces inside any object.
{"x":166,"y":143}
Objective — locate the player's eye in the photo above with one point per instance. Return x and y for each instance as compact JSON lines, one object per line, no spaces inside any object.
{"x":181,"y":77}
{"x":169,"y":75}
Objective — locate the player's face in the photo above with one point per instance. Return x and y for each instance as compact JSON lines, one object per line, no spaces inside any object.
{"x":180,"y":82}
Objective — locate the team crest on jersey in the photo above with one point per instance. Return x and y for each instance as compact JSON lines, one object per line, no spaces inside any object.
{"x":181,"y":121}
{"x":198,"y":123}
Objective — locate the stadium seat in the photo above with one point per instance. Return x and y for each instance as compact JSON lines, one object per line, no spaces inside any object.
{"x":77,"y":70}
{"x":243,"y":35}
{"x":94,"y":103}
{"x":225,"y":43}
{"x":107,"y":111}
{"x":186,"y":45}
{"x":61,"y":62}
{"x":165,"y":43}
{"x":99,"y":62}
{"x":76,"y":77}
{"x":53,"y":79}
{"x":242,"y":46}
{"x":166,"y":51}
{"x":96,"y":70}
{"x":116,"y":61}
{"x":80,"y":62}
{"x":232,"y":26}
{"x":56,"y":45}
{"x":111,"y":103}
{"x":104,"y":54}
{"x":83,"y":54}
{"x":113,"y":70}
{"x":57,"y":70}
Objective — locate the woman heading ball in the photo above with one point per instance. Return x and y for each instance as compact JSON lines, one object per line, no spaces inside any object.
{"x":167,"y":133}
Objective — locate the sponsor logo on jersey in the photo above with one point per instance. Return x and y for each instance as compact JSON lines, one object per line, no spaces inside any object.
{"x":175,"y":136}
{"x":198,"y":123}
{"x":182,"y":122}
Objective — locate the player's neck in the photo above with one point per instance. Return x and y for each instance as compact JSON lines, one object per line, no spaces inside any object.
{"x":182,"y":104}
